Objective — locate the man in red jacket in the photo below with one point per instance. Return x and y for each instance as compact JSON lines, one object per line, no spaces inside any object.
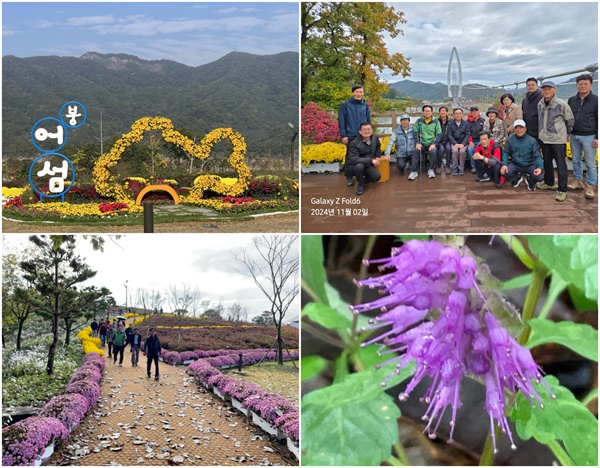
{"x":487,"y":158}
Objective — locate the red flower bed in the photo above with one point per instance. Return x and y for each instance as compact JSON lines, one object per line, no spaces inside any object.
{"x":106,"y":207}
{"x":317,"y":126}
{"x":17,"y":202}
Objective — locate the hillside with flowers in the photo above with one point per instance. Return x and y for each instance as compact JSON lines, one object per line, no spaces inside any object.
{"x":209,"y":334}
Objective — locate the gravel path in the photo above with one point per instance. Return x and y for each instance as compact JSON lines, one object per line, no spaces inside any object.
{"x":143,"y":422}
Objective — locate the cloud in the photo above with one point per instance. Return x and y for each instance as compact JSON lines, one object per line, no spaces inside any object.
{"x":9,"y":31}
{"x":83,"y":21}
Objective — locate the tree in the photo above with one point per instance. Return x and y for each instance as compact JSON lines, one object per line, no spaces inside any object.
{"x":265,"y":319}
{"x":184,"y":300}
{"x":275,"y":273}
{"x":16,"y":303}
{"x":147,"y":301}
{"x":237,"y":313}
{"x":78,"y":305}
{"x":342,"y":44}
{"x":54,"y":272}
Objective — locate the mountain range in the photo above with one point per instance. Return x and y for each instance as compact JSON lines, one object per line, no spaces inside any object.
{"x":256,"y":95}
{"x":439,"y":91}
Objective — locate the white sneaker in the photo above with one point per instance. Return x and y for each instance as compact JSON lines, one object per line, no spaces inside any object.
{"x":413,"y":175}
{"x":431,"y":174}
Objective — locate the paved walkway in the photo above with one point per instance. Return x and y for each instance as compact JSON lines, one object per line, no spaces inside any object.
{"x":140,"y":421}
{"x":441,"y":205}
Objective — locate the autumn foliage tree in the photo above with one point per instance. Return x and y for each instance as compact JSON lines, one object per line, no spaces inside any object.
{"x":343,"y":44}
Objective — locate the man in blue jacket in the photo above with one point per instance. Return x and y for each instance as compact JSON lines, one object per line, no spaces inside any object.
{"x":521,"y":153}
{"x":351,"y":114}
{"x":405,"y":139}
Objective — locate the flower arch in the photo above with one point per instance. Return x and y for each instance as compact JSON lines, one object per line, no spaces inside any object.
{"x":106,"y":184}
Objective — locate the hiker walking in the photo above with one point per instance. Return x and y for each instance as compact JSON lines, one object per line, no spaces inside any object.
{"x":152,"y":350}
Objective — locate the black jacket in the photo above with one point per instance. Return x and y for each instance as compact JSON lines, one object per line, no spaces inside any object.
{"x":152,"y":346}
{"x":444,"y":127}
{"x":360,"y":152}
{"x":530,"y":112}
{"x":586,"y":115}
{"x":458,"y":135}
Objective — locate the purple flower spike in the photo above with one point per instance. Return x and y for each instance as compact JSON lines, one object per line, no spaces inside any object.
{"x":433,"y":313}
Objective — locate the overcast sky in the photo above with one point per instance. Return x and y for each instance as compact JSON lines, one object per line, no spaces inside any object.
{"x":498,"y":43}
{"x":189,"y":33}
{"x":153,"y":261}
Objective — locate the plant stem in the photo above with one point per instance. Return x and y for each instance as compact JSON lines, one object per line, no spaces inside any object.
{"x":308,"y":290}
{"x":325,"y":337}
{"x":363,"y":270}
{"x":593,"y":395}
{"x":401,"y":454}
{"x":487,"y":456}
{"x":395,"y":462}
{"x":531,"y":299}
{"x":560,"y":453}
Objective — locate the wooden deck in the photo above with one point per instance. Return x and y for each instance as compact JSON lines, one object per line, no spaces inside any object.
{"x":446,"y":204}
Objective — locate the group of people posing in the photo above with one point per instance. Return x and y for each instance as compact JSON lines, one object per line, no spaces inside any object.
{"x":521,"y":143}
{"x":118,"y":337}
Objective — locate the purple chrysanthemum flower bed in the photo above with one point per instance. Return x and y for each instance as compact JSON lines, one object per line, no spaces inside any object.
{"x":289,"y":424}
{"x":86,"y":372}
{"x":172,"y":357}
{"x":68,"y":409}
{"x":24,"y":442}
{"x":269,"y":406}
{"x":435,"y":315}
{"x":89,"y":389}
{"x":241,"y":389}
{"x":94,"y":359}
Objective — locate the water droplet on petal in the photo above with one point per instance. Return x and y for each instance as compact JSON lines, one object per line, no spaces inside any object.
{"x":553,"y":397}
{"x":383,"y":384}
{"x":542,"y":405}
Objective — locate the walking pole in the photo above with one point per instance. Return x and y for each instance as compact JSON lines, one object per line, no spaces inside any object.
{"x":420,"y":157}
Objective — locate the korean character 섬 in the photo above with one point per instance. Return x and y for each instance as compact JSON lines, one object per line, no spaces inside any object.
{"x":57,"y":184}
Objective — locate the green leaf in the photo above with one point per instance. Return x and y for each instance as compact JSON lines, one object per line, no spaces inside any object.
{"x":517,"y":282}
{"x":351,"y":423}
{"x":581,"y":303}
{"x":370,"y":357}
{"x":557,"y":285}
{"x":336,"y":301}
{"x":313,"y":271}
{"x":564,"y":419}
{"x":581,"y":338}
{"x":311,"y":366}
{"x":326,"y":316}
{"x":573,"y":258}
{"x":408,"y":237}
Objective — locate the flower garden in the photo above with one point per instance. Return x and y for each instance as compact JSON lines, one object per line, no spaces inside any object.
{"x":32,"y":440}
{"x":112,"y":195}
